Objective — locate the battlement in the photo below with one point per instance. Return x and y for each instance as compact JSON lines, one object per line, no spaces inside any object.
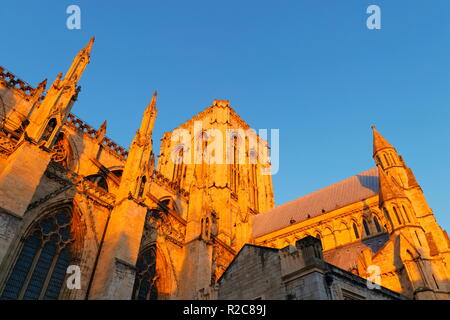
{"x":106,"y":142}
{"x":14,"y":82}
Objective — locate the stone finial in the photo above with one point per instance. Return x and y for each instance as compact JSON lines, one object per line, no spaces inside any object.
{"x":221,"y":103}
{"x":101,"y":132}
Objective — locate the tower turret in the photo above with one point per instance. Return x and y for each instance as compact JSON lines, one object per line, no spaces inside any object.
{"x":388,"y":158}
{"x":393,"y":201}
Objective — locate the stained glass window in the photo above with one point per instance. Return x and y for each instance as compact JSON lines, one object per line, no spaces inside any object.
{"x":40,"y":267}
{"x":145,"y":282}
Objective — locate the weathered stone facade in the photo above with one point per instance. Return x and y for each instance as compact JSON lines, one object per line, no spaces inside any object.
{"x":293,"y":273}
{"x":137,"y":229}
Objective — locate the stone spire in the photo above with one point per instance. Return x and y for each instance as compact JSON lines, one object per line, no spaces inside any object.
{"x":379,"y":142}
{"x":140,"y":162}
{"x":148,"y":120}
{"x":47,"y":120}
{"x":79,"y":63}
{"x":101,"y":132}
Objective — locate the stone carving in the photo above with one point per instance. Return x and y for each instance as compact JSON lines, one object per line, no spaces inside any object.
{"x":166,"y":225}
{"x":222,"y":257}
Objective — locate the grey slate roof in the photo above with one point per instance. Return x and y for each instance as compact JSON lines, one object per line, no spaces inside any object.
{"x":356,"y":188}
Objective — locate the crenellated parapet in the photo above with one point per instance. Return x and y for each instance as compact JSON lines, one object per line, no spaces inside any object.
{"x":106,"y":142}
{"x":14,"y":82}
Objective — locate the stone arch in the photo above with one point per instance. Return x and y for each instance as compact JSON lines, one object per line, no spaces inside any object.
{"x":164,"y":271}
{"x":356,"y":232}
{"x":366,"y":227}
{"x":98,"y":179}
{"x":116,"y":170}
{"x":328,"y":239}
{"x":344,"y":233}
{"x":171,"y":203}
{"x":52,"y":239}
{"x":377,"y":226}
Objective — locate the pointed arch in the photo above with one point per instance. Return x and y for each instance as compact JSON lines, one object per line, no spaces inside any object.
{"x":377,"y":224}
{"x":49,"y":130}
{"x":406,"y":214}
{"x":366,"y":227}
{"x":355,"y":230}
{"x":397,"y":216}
{"x":52,"y":242}
{"x":344,"y":233}
{"x":328,"y":240}
{"x":99,"y":180}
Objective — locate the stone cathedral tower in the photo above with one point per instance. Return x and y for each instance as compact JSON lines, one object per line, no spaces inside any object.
{"x":221,"y":162}
{"x":73,"y":200}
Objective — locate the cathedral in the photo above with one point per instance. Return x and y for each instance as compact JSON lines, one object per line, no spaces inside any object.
{"x":84,"y":218}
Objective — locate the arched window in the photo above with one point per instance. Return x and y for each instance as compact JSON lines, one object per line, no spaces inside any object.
{"x":366,"y":227}
{"x":118,"y":173}
{"x":165,"y":205}
{"x":386,"y":212}
{"x":406,"y":214}
{"x":392,"y":158}
{"x":377,"y":224}
{"x":234,"y":165}
{"x":99,"y":180}
{"x":145,"y":281}
{"x":142,"y":186}
{"x":387,"y":160}
{"x":41,"y":265}
{"x":51,"y":125}
{"x":381,"y":163}
{"x":397,"y":216}
{"x":254,"y":186}
{"x":418,"y":239}
{"x":355,"y":230}
{"x":178,"y":168}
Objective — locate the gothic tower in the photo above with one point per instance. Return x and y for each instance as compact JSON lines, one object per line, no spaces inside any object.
{"x":420,"y":243}
{"x":222,"y":162}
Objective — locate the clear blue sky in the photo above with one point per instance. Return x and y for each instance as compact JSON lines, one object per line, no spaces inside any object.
{"x":309,"y":68}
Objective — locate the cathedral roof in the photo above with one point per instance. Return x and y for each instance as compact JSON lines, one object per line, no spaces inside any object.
{"x":359,"y":187}
{"x":346,"y":257}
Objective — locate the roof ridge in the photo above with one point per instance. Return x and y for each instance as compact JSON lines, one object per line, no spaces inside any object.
{"x":321,"y":189}
{"x":355,"y":188}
